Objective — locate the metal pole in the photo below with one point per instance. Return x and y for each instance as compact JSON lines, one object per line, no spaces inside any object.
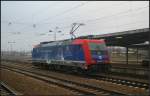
{"x":127,"y":55}
{"x":55,"y":35}
{"x":11,"y":48}
{"x":137,"y":55}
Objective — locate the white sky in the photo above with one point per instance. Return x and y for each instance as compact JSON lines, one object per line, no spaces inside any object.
{"x":99,"y":17}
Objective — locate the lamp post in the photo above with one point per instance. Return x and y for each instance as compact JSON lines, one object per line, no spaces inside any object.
{"x":56,"y":31}
{"x":11,"y":47}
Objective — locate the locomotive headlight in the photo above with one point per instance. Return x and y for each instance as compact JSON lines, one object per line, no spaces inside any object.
{"x":100,"y":57}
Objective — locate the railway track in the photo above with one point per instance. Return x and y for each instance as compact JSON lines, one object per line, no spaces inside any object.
{"x":107,"y":78}
{"x":7,"y":91}
{"x":120,"y":81}
{"x":79,"y":88}
{"x":117,"y":80}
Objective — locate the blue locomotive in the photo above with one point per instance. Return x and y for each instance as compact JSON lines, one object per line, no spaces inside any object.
{"x":78,"y":54}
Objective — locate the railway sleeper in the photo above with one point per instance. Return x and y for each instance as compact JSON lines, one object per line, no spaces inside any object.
{"x":82,"y":90}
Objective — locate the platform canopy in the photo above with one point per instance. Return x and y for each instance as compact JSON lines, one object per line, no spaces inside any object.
{"x":126,"y":38}
{"x":141,"y":45}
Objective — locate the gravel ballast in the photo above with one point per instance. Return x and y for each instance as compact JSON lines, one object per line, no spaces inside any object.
{"x":30,"y":86}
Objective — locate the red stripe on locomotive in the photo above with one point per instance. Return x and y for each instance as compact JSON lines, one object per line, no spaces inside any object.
{"x":85,"y":45}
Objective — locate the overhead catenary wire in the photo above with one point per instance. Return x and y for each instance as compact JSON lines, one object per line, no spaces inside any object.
{"x":66,"y":11}
{"x":20,"y":4}
{"x":98,"y":20}
{"x":74,"y":8}
{"x":41,"y":11}
{"x":58,"y":15}
{"x":80,"y":6}
{"x":47,"y":18}
{"x":92,"y":20}
{"x":63,"y":12}
{"x":119,"y":13}
{"x":21,"y":19}
{"x":105,"y":27}
{"x":120,"y":25}
{"x":105,"y":17}
{"x":100,"y":17}
{"x":20,"y":23}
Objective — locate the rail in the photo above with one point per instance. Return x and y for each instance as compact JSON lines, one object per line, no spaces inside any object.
{"x":9,"y":90}
{"x":75,"y":86}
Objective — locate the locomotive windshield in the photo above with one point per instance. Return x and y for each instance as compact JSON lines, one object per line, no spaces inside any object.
{"x":97,"y":49}
{"x":97,"y":46}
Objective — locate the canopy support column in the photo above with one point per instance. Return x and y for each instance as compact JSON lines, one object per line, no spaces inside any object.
{"x":127,"y":55}
{"x":137,"y":54}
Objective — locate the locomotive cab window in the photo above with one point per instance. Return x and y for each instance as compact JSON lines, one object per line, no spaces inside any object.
{"x":97,"y":46}
{"x":97,"y":49}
